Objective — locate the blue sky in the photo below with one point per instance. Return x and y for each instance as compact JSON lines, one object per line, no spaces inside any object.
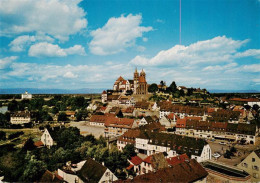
{"x":89,"y":43}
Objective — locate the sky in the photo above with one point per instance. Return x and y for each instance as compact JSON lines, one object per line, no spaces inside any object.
{"x":73,"y":44}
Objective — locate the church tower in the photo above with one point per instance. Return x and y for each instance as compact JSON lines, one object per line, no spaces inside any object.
{"x":136,"y":79}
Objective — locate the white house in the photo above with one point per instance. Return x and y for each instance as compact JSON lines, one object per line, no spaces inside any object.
{"x":153,"y":142}
{"x":20,"y":118}
{"x":26,"y":95}
{"x":83,"y":172}
{"x":46,"y":139}
{"x":92,"y":107}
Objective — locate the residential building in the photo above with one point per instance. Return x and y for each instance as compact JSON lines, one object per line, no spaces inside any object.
{"x":153,"y":142}
{"x":187,"y":171}
{"x":20,"y":118}
{"x":104,"y":97}
{"x":251,"y":164}
{"x":86,"y":171}
{"x":26,"y":95}
{"x":47,"y":139}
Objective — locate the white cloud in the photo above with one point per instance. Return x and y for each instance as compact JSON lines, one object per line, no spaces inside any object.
{"x":69,"y":74}
{"x":249,"y":53}
{"x":5,"y":62}
{"x":117,"y":34}
{"x":219,"y":67}
{"x":21,"y":42}
{"x":216,"y":50}
{"x":251,"y":68}
{"x":44,"y":49}
{"x":53,"y":17}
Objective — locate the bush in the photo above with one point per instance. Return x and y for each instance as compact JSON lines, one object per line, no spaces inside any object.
{"x":15,"y":135}
{"x":2,"y":135}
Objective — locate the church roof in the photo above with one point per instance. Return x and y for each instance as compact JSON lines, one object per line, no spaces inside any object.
{"x":120,"y":78}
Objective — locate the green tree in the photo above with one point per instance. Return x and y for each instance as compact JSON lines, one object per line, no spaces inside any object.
{"x":2,"y":135}
{"x":153,"y":88}
{"x":173,"y":87}
{"x":33,"y":171}
{"x":129,"y":150}
{"x":54,"y":110}
{"x":29,"y":145}
{"x":62,"y":117}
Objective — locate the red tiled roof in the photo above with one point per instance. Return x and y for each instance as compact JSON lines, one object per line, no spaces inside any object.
{"x":38,"y":143}
{"x":104,"y":92}
{"x":148,"y":159}
{"x":120,"y":78}
{"x":245,"y":99}
{"x":136,"y":160}
{"x":177,"y":159}
{"x":181,"y":123}
{"x":130,"y":167}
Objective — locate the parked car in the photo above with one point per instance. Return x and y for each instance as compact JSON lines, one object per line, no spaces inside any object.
{"x":222,"y":143}
{"x":216,"y":155}
{"x":212,"y":140}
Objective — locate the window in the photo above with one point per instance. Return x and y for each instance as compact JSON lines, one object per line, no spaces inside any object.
{"x":107,"y":174}
{"x":253,"y":159}
{"x":255,"y":167}
{"x":244,"y":165}
{"x":255,"y":175}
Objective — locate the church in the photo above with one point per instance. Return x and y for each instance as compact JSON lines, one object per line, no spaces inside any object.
{"x":138,"y":84}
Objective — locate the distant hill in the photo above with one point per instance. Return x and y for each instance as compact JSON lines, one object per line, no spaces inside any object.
{"x":233,"y":91}
{"x":50,"y":91}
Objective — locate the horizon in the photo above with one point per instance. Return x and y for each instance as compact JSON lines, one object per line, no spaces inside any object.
{"x":97,"y":41}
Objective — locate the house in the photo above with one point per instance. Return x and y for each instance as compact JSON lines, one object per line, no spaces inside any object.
{"x":92,"y":107}
{"x":146,"y":120}
{"x":187,"y":171}
{"x":185,"y":90}
{"x":20,"y":118}
{"x":135,"y":164}
{"x":98,"y":120}
{"x":128,"y":137}
{"x":86,"y":171}
{"x":251,"y":164}
{"x":3,"y":109}
{"x":51,"y":177}
{"x":154,"y":142}
{"x":26,"y":95}
{"x":128,"y":111}
{"x":118,"y":126}
{"x":47,"y":138}
{"x":104,"y":97}
{"x":168,"y":122}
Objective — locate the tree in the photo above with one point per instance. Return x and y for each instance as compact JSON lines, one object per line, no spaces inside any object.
{"x":62,"y":117}
{"x":255,"y":107}
{"x":29,"y":145}
{"x":129,"y":150}
{"x":54,"y":110}
{"x":153,"y":88}
{"x":33,"y":170}
{"x":2,"y":135}
{"x":173,"y":87}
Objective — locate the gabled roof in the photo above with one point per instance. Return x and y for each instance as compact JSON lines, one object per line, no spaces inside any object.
{"x":91,"y":171}
{"x":187,"y":171}
{"x":177,"y":159}
{"x":136,"y":160}
{"x":51,"y":177}
{"x":120,"y":78}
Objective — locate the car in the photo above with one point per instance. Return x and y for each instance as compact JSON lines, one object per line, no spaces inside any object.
{"x":216,"y":155}
{"x":222,"y":143}
{"x":212,"y":140}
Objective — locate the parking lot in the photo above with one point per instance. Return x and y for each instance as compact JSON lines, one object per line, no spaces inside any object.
{"x":242,"y":152}
{"x":86,"y":129}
